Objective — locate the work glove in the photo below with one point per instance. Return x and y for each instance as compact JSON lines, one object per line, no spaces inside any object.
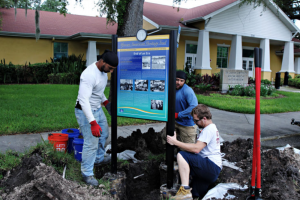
{"x":107,"y":105}
{"x":96,"y":129}
{"x":176,"y":115}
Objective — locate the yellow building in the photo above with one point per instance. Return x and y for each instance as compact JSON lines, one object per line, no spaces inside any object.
{"x":213,"y":36}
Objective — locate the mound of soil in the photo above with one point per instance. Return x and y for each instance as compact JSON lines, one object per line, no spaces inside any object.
{"x":280,"y":171}
{"x":34,"y":180}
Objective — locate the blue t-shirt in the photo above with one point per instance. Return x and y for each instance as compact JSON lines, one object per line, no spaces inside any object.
{"x":186,"y":100}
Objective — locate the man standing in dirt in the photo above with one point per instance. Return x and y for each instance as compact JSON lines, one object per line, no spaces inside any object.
{"x":186,"y":100}
{"x":201,"y":160}
{"x":89,"y":113}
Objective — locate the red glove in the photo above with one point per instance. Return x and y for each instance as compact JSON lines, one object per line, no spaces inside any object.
{"x":95,"y":128}
{"x":105,"y":103}
{"x":176,"y":115}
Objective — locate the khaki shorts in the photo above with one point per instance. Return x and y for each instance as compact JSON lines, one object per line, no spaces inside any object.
{"x":186,"y":134}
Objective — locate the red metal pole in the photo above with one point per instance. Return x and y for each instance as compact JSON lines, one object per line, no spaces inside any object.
{"x":253,"y":161}
{"x":257,"y":123}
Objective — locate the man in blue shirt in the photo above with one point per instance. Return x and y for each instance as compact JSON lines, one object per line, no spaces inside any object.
{"x":186,"y":100}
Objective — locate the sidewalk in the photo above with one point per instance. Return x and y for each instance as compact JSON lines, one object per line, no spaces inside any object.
{"x":230,"y":125}
{"x":276,"y":129}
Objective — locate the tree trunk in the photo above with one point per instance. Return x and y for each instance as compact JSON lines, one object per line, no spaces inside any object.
{"x":132,"y":22}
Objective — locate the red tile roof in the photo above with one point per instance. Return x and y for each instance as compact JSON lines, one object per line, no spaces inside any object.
{"x":163,"y":15}
{"x":206,"y":9}
{"x":52,"y":23}
{"x":168,"y":15}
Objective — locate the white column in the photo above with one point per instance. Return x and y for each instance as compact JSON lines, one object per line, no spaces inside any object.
{"x":288,"y":58}
{"x":236,"y":50}
{"x":203,"y":55}
{"x":91,"y":54}
{"x":297,"y":65}
{"x":265,"y":45}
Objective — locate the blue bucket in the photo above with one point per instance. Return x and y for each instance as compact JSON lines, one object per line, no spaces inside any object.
{"x":71,"y":137}
{"x":78,"y":144}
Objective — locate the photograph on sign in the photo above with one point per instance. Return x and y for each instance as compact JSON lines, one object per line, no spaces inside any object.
{"x":126,"y":84}
{"x":143,"y":76}
{"x":157,"y":85}
{"x":146,"y":62}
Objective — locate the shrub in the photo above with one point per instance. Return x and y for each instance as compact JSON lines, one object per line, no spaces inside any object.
{"x":297,"y":76}
{"x":190,"y":75}
{"x":251,"y":80}
{"x":237,"y":90}
{"x":249,"y":90}
{"x":213,"y":80}
{"x":202,"y":87}
{"x":264,"y":90}
{"x":266,"y":82}
{"x":271,"y":89}
{"x":44,"y":72}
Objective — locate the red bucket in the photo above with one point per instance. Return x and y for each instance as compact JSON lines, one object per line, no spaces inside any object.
{"x":59,"y":141}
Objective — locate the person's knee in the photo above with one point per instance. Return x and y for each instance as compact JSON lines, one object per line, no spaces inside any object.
{"x":179,"y":157}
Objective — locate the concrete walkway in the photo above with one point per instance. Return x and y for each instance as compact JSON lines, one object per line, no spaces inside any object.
{"x":276,"y":129}
{"x":231,"y":126}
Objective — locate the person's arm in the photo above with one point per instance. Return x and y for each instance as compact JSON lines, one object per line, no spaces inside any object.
{"x":84,"y":94}
{"x":191,"y":101}
{"x":190,"y":147}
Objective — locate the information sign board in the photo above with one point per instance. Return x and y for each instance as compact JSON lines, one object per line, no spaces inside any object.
{"x":143,"y":77}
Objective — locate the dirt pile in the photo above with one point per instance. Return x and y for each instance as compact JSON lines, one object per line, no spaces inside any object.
{"x":34,"y":180}
{"x":280,"y":171}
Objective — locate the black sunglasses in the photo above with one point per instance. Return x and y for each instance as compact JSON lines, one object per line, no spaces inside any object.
{"x":197,"y":120}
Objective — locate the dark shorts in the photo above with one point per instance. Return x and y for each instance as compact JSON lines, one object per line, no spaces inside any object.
{"x":203,"y":170}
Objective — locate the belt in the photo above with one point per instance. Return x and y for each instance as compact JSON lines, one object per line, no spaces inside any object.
{"x":78,"y":105}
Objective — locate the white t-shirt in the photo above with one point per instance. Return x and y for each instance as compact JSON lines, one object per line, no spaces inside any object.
{"x":210,"y":135}
{"x":91,"y":90}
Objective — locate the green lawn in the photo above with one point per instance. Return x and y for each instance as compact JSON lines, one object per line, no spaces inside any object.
{"x":45,"y":107}
{"x":289,"y":103}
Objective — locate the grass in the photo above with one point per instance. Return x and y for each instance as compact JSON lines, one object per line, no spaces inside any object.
{"x":8,"y":161}
{"x":289,"y":103}
{"x":50,"y":157}
{"x":50,"y":107}
{"x":43,"y":108}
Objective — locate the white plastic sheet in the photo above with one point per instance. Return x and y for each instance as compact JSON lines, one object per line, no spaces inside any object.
{"x":226,"y":163}
{"x":286,"y":146}
{"x":221,"y":189}
{"x":125,"y":155}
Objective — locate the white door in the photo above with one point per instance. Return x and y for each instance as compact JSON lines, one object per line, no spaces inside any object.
{"x":248,"y":64}
{"x":191,"y":58}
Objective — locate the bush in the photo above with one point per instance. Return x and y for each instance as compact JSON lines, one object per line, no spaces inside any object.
{"x":190,"y":75}
{"x":271,"y":89}
{"x":213,"y":80}
{"x":237,"y":90}
{"x":202,"y":87}
{"x":266,"y":82}
{"x":297,"y":76}
{"x":249,"y":90}
{"x":70,"y":67}
{"x":251,"y":80}
{"x":264,"y":90}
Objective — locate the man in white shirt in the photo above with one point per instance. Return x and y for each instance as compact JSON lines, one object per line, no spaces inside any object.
{"x":89,"y":113}
{"x":201,"y":160}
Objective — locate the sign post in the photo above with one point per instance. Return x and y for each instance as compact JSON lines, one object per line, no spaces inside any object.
{"x":143,"y":86}
{"x":171,"y":113}
{"x":114,"y":134}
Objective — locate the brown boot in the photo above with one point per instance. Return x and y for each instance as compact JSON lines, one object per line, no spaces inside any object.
{"x":183,"y":194}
